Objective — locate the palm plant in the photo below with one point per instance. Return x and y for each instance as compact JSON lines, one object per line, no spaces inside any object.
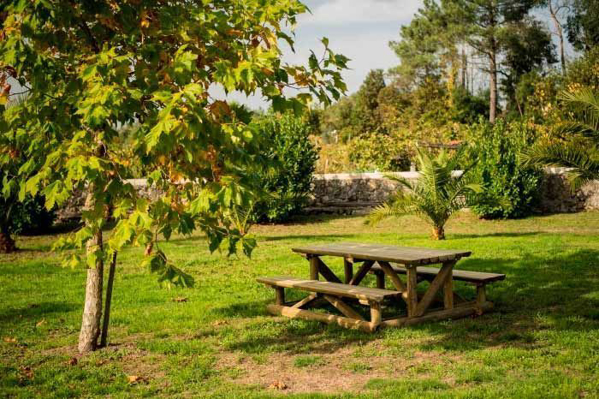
{"x":435,"y":196}
{"x":578,"y":146}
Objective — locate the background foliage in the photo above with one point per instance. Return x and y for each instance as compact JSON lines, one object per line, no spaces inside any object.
{"x":511,"y":189}
{"x":293,"y":158}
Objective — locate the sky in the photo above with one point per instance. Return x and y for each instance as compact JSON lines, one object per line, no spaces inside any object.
{"x":358,"y":29}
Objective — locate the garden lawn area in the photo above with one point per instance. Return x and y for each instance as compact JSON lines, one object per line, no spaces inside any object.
{"x":216,"y":339}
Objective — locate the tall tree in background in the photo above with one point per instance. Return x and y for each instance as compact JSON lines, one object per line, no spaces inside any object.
{"x":583,"y":24}
{"x":527,"y":47}
{"x":92,"y":67}
{"x":485,"y":25}
{"x":556,"y":10}
{"x":367,"y":102}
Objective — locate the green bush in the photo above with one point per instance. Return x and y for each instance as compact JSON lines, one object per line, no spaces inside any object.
{"x":31,"y":217}
{"x":511,"y":190}
{"x":294,"y":158}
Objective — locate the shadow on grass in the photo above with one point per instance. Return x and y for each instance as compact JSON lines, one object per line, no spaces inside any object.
{"x":304,"y":237}
{"x":495,"y":235}
{"x":35,"y":311}
{"x":539,"y":293}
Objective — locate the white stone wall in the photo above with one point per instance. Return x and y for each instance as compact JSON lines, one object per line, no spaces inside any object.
{"x":348,"y":193}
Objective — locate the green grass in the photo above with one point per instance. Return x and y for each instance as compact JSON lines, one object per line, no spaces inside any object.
{"x":542,"y":340}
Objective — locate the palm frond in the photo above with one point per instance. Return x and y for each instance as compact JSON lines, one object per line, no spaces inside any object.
{"x":583,"y":162}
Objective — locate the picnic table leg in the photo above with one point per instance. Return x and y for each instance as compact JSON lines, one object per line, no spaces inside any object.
{"x":448,"y":291}
{"x":314,"y":263}
{"x":411,"y":293}
{"x":348,"y":266}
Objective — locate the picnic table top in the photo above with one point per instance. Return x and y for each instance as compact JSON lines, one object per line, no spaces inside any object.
{"x":385,"y":253}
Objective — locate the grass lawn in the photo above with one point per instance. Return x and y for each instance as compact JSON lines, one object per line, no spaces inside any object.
{"x":216,"y":339}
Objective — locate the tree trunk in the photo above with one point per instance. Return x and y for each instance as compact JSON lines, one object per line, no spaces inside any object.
{"x":92,"y":310}
{"x":560,"y":35}
{"x":7,"y":244}
{"x":438,"y":233}
{"x":492,"y":86}
{"x":108,"y":301}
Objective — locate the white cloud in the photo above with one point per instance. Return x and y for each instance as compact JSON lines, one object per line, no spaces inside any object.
{"x":339,"y":12}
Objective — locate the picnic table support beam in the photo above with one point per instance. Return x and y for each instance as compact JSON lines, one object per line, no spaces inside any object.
{"x":411,"y":296}
{"x":306,"y":301}
{"x":463,"y":310}
{"x":380,"y":280}
{"x":376,"y":315}
{"x":362,"y":272}
{"x":322,"y":317}
{"x":348,"y":266}
{"x":279,"y":295}
{"x":314,"y":263}
{"x":388,"y":270}
{"x":448,"y":291}
{"x":327,"y":273}
{"x":343,"y":307}
{"x":436,"y":284}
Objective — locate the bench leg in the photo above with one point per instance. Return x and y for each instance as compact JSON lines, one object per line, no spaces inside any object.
{"x":376,"y":315}
{"x":481,"y":297}
{"x":279,"y":296}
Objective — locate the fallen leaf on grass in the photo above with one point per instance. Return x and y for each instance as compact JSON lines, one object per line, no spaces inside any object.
{"x":10,"y":340}
{"x":72,"y":361}
{"x":40,"y":323}
{"x":26,"y":372}
{"x":278,"y":385}
{"x":179,"y":299}
{"x":135,"y":379}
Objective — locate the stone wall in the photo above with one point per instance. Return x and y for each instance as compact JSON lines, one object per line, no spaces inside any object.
{"x":350,"y":193}
{"x":357,"y":193}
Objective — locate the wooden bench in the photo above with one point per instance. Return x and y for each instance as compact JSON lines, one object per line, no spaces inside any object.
{"x":334,"y":294}
{"x":479,"y":279}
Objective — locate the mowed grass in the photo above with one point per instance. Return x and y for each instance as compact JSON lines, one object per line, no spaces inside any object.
{"x":216,"y":339}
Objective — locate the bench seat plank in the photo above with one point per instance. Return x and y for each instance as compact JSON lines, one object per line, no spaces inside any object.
{"x":460,"y":275}
{"x":335,"y":289}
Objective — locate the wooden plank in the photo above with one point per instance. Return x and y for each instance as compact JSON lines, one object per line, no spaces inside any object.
{"x":348,"y":267}
{"x":343,"y":307}
{"x":362,"y":272}
{"x":388,"y":270}
{"x":314,"y":263}
{"x":322,"y":317}
{"x":326,"y":272}
{"x":460,"y":275}
{"x":411,"y":295}
{"x":386,"y":253}
{"x":436,"y":284}
{"x":463,"y":310}
{"x":335,"y":289}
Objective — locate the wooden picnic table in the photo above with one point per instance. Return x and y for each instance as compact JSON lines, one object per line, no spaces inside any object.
{"x":383,"y":261}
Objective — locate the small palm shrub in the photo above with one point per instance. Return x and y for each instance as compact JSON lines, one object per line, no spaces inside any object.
{"x":435,"y":196}
{"x":577,"y":144}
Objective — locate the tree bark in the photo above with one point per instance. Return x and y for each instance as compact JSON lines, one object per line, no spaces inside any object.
{"x":92,"y":310}
{"x":7,"y":243}
{"x":108,"y":301}
{"x":492,"y":86}
{"x":559,"y":31}
{"x":438,"y":233}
